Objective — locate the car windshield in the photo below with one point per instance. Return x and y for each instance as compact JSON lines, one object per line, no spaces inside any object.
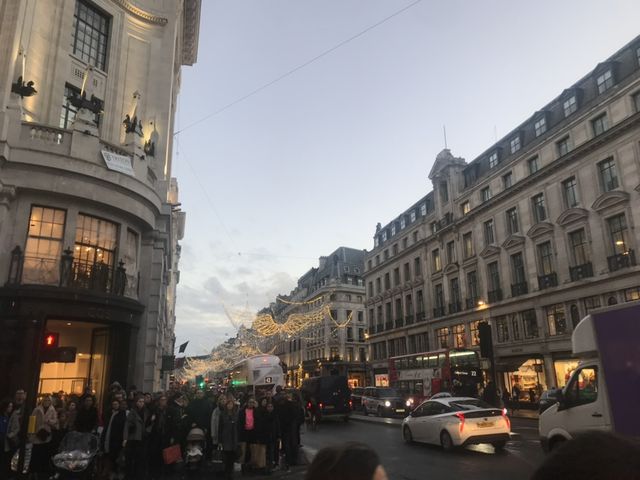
{"x":470,"y":404}
{"x":388,"y":392}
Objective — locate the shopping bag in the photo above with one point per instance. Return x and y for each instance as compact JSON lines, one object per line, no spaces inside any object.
{"x":172,"y":454}
{"x":217,"y":460}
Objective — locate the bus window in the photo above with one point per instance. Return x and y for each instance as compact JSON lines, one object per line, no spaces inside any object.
{"x":403,"y":364}
{"x":433,"y":361}
{"x":463,"y":358}
{"x":442,"y":358}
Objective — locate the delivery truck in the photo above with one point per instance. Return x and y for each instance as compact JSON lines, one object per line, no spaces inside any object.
{"x":603,"y":392}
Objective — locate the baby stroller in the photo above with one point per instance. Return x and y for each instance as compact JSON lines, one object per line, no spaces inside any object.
{"x":195,"y":448}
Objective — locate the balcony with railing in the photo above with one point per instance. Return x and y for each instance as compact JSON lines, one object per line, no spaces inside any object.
{"x":581,"y":271}
{"x":455,"y":307}
{"x":520,"y":288}
{"x":399,"y":322}
{"x":622,"y":260}
{"x":66,"y":272}
{"x":388,"y":325}
{"x":408,"y":320}
{"x":494,"y":295}
{"x":439,"y":312}
{"x":471,"y":303}
{"x":421,"y":317}
{"x":547,"y":281}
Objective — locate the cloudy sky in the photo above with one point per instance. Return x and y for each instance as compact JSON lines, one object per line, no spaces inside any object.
{"x":314,"y":160}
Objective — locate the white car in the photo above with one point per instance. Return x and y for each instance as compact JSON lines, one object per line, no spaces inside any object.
{"x":457,"y":421}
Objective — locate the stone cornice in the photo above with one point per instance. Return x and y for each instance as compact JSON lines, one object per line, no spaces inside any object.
{"x":140,"y":13}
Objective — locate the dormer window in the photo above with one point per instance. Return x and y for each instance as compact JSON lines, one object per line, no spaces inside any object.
{"x":403,"y":222}
{"x":423,"y":209}
{"x":570,"y":105}
{"x":384,"y":236}
{"x":493,"y":159}
{"x":444,"y":192}
{"x":412,"y":215}
{"x":393,"y":229}
{"x":515,"y":144}
{"x":604,"y":81}
{"x":540,"y":126}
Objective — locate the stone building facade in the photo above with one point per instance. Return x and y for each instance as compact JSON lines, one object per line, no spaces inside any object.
{"x":89,"y":214}
{"x":529,"y":236}
{"x":336,"y":343}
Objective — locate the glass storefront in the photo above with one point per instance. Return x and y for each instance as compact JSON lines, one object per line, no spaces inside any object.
{"x":382,"y":380}
{"x":563,"y":369}
{"x":530,"y":379}
{"x":91,"y":364}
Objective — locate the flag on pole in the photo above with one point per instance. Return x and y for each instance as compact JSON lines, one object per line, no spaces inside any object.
{"x":183,"y":347}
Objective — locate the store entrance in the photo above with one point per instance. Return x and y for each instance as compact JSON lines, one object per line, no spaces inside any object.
{"x":529,"y":380}
{"x":91,"y":365}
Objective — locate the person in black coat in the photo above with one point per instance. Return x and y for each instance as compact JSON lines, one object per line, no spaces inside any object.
{"x":269,"y":433}
{"x":164,"y":433}
{"x":289,"y":426}
{"x":87,"y":417}
{"x":112,"y":436}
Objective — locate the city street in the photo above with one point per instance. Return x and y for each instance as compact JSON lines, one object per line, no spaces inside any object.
{"x":416,"y":462}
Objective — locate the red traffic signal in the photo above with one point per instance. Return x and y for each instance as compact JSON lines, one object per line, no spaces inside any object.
{"x":51,"y":340}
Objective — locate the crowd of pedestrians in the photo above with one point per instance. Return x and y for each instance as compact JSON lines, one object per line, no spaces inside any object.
{"x":135,"y":429}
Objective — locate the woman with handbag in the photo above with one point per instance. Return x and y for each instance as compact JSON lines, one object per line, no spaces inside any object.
{"x":226,"y":440}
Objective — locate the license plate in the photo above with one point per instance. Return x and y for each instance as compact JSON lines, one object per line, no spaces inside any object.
{"x":329,"y":407}
{"x":399,"y":410}
{"x":485,"y":424}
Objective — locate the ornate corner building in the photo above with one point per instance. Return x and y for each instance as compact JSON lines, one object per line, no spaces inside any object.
{"x":530,"y":236}
{"x":89,"y":214}
{"x":332,"y":294}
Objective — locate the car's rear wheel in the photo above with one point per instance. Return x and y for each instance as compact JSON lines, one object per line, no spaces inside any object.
{"x":499,"y":446}
{"x":365,"y":412}
{"x":406,"y":435}
{"x":446,"y":441}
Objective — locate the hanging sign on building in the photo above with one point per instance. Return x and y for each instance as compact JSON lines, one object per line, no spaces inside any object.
{"x":118,"y":163}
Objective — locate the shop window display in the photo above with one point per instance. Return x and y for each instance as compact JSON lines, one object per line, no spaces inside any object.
{"x":529,"y":378}
{"x":564,"y":369}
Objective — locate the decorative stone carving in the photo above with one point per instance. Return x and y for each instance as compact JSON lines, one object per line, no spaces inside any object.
{"x":610,"y":199}
{"x":513,"y":241}
{"x":572,"y":215}
{"x":540,"y":229}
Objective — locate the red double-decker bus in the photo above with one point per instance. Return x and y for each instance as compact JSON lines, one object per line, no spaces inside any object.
{"x":422,"y":375}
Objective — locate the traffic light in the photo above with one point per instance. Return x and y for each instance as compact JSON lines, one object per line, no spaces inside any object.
{"x":486,"y":343}
{"x":199,"y":381}
{"x":51,"y":340}
{"x":52,"y":352}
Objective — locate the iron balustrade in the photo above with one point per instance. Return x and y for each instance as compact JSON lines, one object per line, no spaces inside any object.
{"x":65,"y":272}
{"x":438,"y":312}
{"x":518,"y":289}
{"x":455,"y":307}
{"x":494,"y":295}
{"x":547,"y":281}
{"x":622,"y":260}
{"x":581,"y":271}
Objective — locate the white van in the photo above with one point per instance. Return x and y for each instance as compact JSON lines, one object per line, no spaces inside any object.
{"x":603,"y":392}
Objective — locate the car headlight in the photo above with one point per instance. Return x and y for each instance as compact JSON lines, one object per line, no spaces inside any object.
{"x":387,"y":403}
{"x":409,"y":402}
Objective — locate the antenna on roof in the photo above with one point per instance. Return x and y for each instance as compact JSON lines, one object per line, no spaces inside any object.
{"x":444,"y":130}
